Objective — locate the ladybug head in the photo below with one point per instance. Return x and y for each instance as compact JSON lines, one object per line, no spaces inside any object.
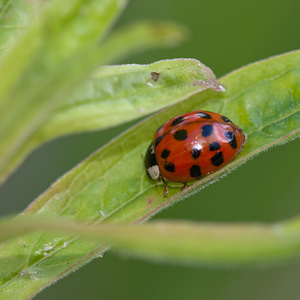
{"x":151,"y":166}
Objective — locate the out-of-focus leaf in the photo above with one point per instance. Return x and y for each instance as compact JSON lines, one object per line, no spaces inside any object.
{"x":14,"y":16}
{"x":55,"y":52}
{"x":140,"y":36}
{"x":198,"y":244}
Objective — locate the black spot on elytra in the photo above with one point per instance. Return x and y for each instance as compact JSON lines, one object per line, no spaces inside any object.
{"x":158,"y":140}
{"x":154,"y":76}
{"x":204,"y":115}
{"x":207,"y":130}
{"x":196,"y":153}
{"x":180,"y":135}
{"x":177,"y":121}
{"x":170,"y":167}
{"x":217,"y":159}
{"x":230,"y":136}
{"x":225,"y":119}
{"x":195,"y":171}
{"x":165,"y":153}
{"x":214,"y":146}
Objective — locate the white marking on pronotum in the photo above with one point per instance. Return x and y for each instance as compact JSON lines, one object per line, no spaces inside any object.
{"x":153,"y":172}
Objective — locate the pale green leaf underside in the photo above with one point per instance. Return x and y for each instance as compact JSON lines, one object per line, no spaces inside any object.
{"x":111,"y":185}
{"x":116,"y":94}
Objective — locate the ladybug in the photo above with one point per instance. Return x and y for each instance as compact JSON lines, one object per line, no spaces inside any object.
{"x":192,"y":145}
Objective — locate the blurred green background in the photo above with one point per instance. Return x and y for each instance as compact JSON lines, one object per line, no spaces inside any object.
{"x":225,"y":35}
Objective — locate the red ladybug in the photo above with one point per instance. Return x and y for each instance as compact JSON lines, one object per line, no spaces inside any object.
{"x":192,"y":145}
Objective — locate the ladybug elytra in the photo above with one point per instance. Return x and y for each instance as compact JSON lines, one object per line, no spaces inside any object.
{"x":192,"y":145}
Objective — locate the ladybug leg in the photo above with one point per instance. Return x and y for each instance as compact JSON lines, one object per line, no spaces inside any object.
{"x":159,"y":180}
{"x":184,"y":186}
{"x":155,"y":183}
{"x":165,"y":190}
{"x":165,"y":187}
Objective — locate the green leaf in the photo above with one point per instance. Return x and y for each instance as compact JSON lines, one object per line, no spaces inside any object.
{"x":111,"y":186}
{"x":14,"y":16}
{"x":198,"y":244}
{"x":117,"y":94}
{"x":55,"y":53}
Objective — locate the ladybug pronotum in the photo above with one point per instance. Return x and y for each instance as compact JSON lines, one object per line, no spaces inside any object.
{"x":192,"y":145}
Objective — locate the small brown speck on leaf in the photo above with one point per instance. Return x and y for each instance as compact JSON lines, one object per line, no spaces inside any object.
{"x":154,"y":76}
{"x":150,"y":201}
